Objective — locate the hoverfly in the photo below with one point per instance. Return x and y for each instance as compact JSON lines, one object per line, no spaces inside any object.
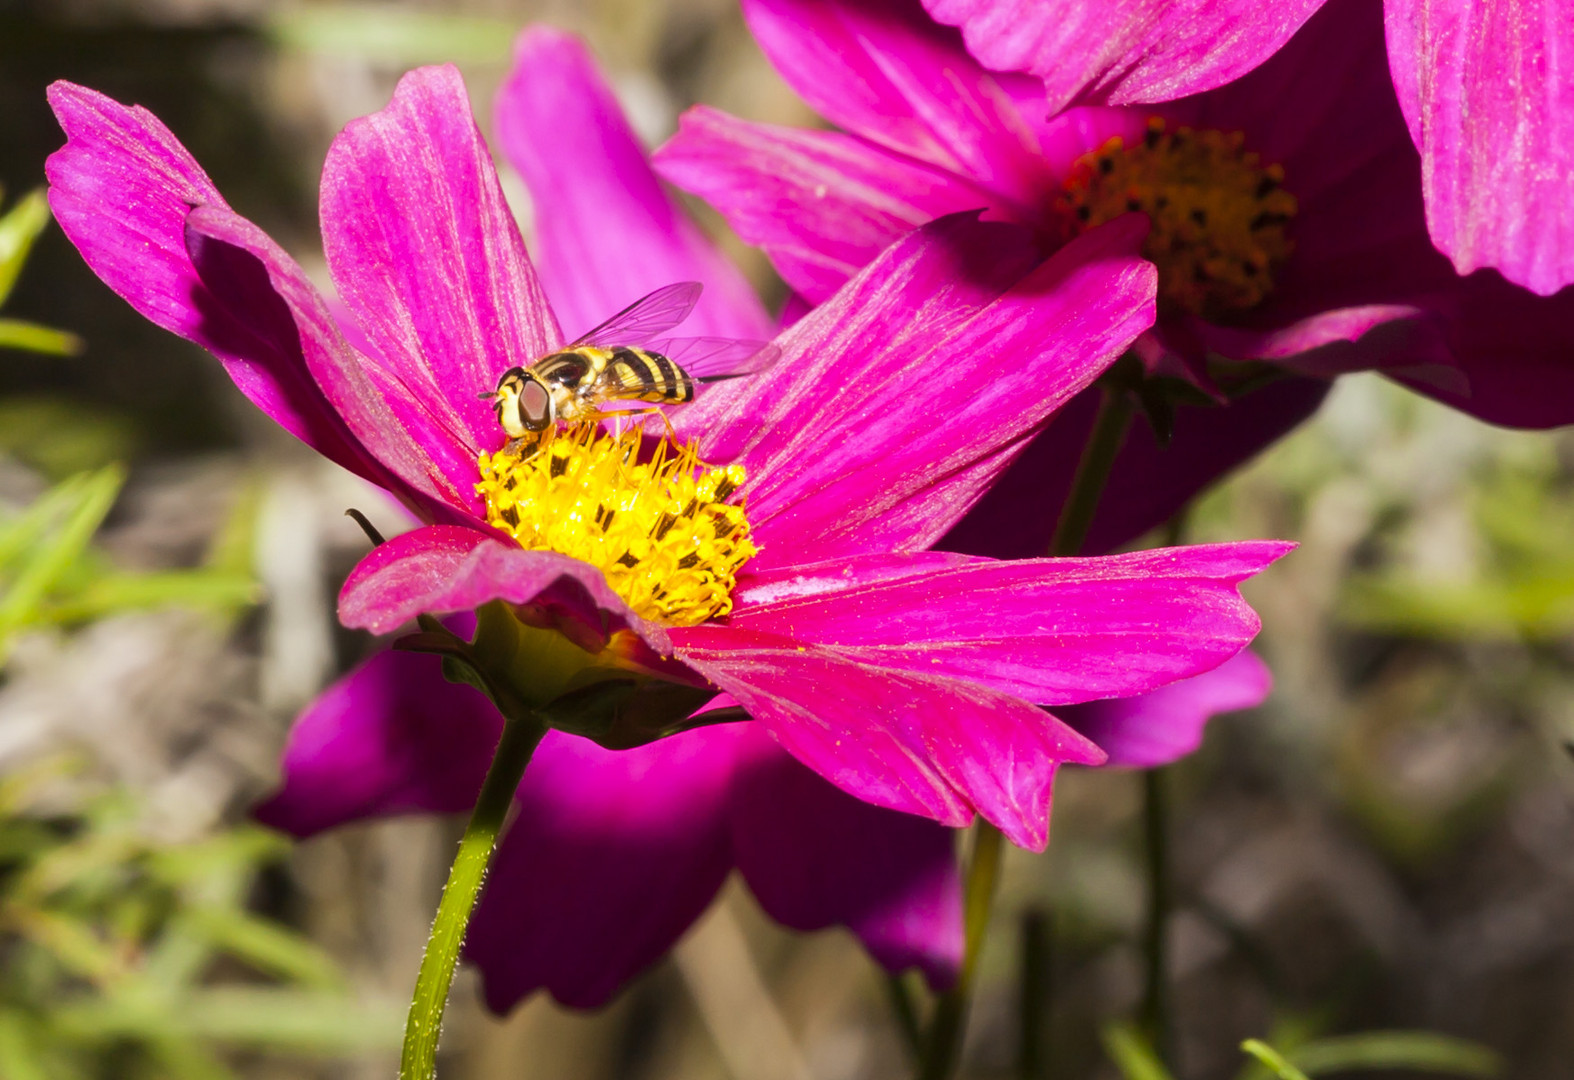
{"x":623,"y":359}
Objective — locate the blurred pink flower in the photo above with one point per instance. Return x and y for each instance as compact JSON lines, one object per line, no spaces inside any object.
{"x":901,"y":675}
{"x":1487,"y":91}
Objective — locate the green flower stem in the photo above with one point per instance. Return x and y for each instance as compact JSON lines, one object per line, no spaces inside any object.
{"x":1155,"y":1010}
{"x":522,"y":733}
{"x":983,"y":872}
{"x":905,"y":1009}
{"x":1035,"y":991}
{"x":945,"y":1031}
{"x":1155,"y":1014}
{"x":1098,"y":457}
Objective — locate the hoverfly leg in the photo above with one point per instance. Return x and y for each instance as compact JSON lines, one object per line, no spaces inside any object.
{"x":641,"y":412}
{"x":530,"y":444}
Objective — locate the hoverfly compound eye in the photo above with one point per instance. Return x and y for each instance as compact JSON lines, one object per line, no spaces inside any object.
{"x":535,"y":405}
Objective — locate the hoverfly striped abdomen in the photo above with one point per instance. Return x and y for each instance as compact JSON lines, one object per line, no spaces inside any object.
{"x":648,"y":376}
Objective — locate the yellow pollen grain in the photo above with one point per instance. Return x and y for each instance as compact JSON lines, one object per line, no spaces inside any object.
{"x":1219,"y":214}
{"x":661,"y":530}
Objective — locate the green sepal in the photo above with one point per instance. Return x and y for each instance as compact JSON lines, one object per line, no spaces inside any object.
{"x":595,"y":695}
{"x":623,"y":713}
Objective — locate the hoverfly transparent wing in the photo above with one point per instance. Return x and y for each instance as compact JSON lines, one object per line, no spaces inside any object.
{"x":714,"y":359}
{"x":646,"y":317}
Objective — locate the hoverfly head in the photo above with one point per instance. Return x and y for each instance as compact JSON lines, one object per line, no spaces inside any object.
{"x":523,"y":403}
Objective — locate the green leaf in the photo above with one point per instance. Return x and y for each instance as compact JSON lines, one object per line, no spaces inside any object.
{"x":267,"y":946}
{"x":1273,"y":1059}
{"x":18,"y":229}
{"x":1129,"y":1049}
{"x":232,"y":550}
{"x":1420,"y":1050}
{"x":129,"y":592}
{"x":30,"y":337}
{"x":19,"y":1056}
{"x":393,"y":37}
{"x":61,"y":436}
{"x":250,"y":1016}
{"x":42,"y":566}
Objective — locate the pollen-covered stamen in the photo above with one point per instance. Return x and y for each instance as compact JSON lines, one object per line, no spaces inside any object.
{"x":661,"y":529}
{"x":1218,"y":213}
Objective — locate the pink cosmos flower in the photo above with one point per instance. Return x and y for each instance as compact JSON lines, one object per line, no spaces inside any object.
{"x":1313,"y":235}
{"x":1485,"y":89}
{"x":901,"y":675}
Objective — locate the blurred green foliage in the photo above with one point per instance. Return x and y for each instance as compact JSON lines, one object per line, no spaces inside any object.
{"x":51,"y":574}
{"x":111,"y":940}
{"x":1522,"y":586}
{"x":19,"y":228}
{"x":1303,"y":1058}
{"x":395,"y":37}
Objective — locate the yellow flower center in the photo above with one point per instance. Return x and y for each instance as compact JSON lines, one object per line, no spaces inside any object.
{"x":1218,"y":213}
{"x":661,"y":529}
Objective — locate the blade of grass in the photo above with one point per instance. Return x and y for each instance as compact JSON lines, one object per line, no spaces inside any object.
{"x":1132,"y":1054}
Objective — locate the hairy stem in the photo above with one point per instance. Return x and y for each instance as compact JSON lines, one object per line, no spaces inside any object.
{"x":521,"y":735}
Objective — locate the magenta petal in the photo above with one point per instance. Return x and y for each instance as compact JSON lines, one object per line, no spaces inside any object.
{"x":821,"y":204}
{"x":937,"y":747}
{"x":391,"y":737}
{"x":425,"y":253}
{"x":1124,"y":51}
{"x":1488,"y":92}
{"x":121,"y":188}
{"x":873,"y":473}
{"x":611,"y":857}
{"x":606,"y":233}
{"x":816,"y":857}
{"x":445,"y":568}
{"x":267,"y":293}
{"x":1050,"y":631}
{"x":1166,"y":725}
{"x":882,"y":70}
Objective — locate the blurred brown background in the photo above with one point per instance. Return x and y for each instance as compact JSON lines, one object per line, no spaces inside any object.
{"x":1389,"y":843}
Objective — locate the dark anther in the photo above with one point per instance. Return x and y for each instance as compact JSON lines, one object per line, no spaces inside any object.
{"x":1200,"y":216}
{"x":689,"y":561}
{"x":1083,"y":213}
{"x":559,"y":466}
{"x":511,"y":515}
{"x":724,"y":488}
{"x":664,"y":525}
{"x":1251,"y":269}
{"x":1266,"y":186}
{"x":1106,"y":165}
{"x":1133,"y":204}
{"x":366,"y":526}
{"x":1152,"y":137}
{"x":628,"y":560}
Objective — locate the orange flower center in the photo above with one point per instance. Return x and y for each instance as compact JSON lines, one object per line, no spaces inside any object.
{"x":1219,"y":214}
